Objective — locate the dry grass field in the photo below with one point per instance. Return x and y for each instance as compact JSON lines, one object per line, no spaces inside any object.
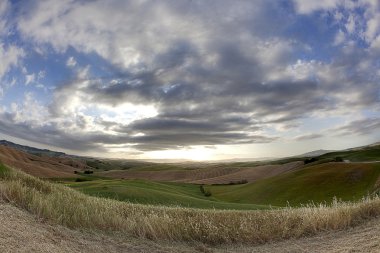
{"x":20,"y":231}
{"x":43,"y":167}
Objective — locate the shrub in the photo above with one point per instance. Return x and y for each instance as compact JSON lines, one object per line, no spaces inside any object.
{"x":243,"y":181}
{"x":310,"y":160}
{"x":204,"y":191}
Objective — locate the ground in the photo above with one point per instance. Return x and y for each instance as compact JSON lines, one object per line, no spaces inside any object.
{"x":23,"y":232}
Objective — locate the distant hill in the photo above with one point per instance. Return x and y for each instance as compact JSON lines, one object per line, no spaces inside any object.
{"x":41,"y":166}
{"x":315,"y":153}
{"x":360,"y":154}
{"x":32,"y":150}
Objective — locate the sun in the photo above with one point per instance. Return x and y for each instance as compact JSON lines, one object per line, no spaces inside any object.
{"x":194,"y":153}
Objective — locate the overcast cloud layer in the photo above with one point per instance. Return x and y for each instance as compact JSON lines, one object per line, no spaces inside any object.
{"x":139,"y":76}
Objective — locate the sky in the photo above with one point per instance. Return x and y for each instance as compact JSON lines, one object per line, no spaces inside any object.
{"x":191,"y":79}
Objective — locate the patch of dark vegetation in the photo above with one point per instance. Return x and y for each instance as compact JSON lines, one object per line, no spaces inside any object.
{"x":81,"y":179}
{"x":88,"y":172}
{"x":205,"y":192}
{"x":310,"y":160}
{"x":243,"y":181}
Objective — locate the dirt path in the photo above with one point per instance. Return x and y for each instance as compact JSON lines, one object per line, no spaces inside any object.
{"x":22,"y":232}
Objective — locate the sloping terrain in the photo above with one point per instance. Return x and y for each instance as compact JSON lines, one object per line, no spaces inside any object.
{"x":170,"y":175}
{"x":360,"y":154}
{"x":40,"y":166}
{"x":21,"y":231}
{"x":208,"y":175}
{"x":364,"y":238}
{"x":32,"y":150}
{"x":318,"y":183}
{"x":251,"y":174}
{"x":124,"y":227}
{"x":156,"y":193}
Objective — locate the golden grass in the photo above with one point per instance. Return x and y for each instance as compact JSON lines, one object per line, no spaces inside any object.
{"x":65,"y":206}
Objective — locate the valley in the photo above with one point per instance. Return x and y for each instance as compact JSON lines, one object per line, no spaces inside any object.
{"x":173,"y":207}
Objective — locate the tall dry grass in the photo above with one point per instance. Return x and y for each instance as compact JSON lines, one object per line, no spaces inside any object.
{"x":65,"y":206}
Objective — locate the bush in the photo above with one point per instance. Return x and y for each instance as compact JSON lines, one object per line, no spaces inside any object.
{"x":88,"y":172}
{"x":201,"y":187}
{"x":204,"y":191}
{"x":310,"y":160}
{"x":207,"y":194}
{"x":243,"y":181}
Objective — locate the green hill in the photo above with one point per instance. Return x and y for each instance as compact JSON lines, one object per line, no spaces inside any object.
{"x":368,"y":153}
{"x":318,"y":183}
{"x":156,"y":193}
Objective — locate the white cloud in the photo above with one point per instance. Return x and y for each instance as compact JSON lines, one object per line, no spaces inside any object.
{"x":340,"y":37}
{"x":350,"y":25}
{"x":41,"y":74}
{"x":126,"y":39}
{"x":10,"y":56}
{"x":373,"y":27}
{"x":4,"y":5}
{"x":362,"y":18}
{"x":30,"y":79}
{"x":71,"y":62}
{"x":30,"y":111}
{"x":376,"y":44}
{"x":307,"y":7}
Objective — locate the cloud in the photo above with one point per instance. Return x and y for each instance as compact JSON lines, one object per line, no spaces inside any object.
{"x":183,"y":73}
{"x":10,"y":56}
{"x":360,"y":127}
{"x":30,"y":78}
{"x":71,"y":62}
{"x":308,"y":137}
{"x":339,"y":38}
{"x":307,"y":7}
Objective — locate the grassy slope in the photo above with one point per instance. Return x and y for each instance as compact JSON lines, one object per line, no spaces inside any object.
{"x":365,"y":154}
{"x":157,"y":193}
{"x":317,"y":183}
{"x":59,"y":204}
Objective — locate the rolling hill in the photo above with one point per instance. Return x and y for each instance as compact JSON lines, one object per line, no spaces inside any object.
{"x":220,"y":174}
{"x":317,"y":183}
{"x":156,"y":193}
{"x":41,"y":166}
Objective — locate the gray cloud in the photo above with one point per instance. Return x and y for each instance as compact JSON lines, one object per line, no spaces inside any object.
{"x":308,"y":137}
{"x":216,"y":72}
{"x":360,"y":127}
